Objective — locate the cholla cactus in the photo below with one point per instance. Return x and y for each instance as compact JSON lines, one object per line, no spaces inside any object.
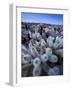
{"x":33,"y":51}
{"x":59,"y":52}
{"x":48,"y":51}
{"x":43,"y":43}
{"x":36,"y":71}
{"x":53,"y":71}
{"x":53,"y":58}
{"x":36,"y":62}
{"x":50,"y":41}
{"x":46,"y":29}
{"x":44,"y":58}
{"x":33,"y":35}
{"x":24,"y":49}
{"x":44,"y":51}
{"x":58,"y":42}
{"x":26,"y":58}
{"x":38,"y":36}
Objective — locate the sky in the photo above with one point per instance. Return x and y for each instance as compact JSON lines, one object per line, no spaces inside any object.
{"x":42,"y":18}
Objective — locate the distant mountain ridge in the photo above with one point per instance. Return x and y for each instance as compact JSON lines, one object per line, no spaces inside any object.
{"x":40,"y":23}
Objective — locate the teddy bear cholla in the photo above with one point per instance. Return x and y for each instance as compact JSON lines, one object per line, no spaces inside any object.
{"x":48,"y":56}
{"x":40,"y":52}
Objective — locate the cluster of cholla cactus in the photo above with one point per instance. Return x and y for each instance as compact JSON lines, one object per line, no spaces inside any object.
{"x":41,"y":50}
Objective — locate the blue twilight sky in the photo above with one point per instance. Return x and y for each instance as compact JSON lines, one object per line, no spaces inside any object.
{"x":42,"y":18}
